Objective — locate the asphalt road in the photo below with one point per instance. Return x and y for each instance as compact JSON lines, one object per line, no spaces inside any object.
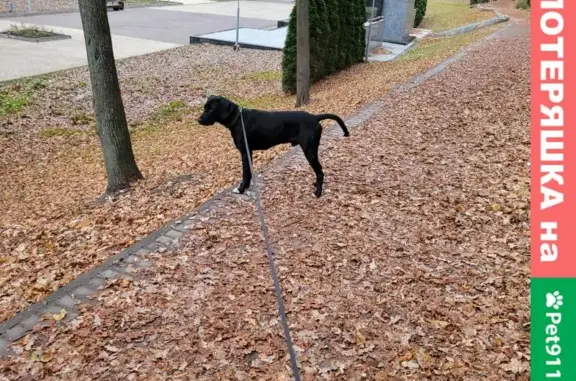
{"x":154,"y":24}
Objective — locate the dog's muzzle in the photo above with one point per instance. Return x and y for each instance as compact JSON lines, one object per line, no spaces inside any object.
{"x":203,"y":120}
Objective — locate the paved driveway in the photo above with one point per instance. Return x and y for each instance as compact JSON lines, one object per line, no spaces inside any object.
{"x":135,"y":31}
{"x":156,"y":24}
{"x":267,"y":10}
{"x":22,"y":58}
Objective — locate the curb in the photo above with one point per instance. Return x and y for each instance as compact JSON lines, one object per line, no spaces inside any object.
{"x":168,"y":236}
{"x":498,"y":18}
{"x":213,"y":41}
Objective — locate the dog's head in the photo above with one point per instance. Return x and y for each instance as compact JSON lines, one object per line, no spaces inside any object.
{"x":217,"y":109}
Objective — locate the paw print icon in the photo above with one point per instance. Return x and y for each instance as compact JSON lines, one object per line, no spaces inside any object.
{"x":554,"y":300}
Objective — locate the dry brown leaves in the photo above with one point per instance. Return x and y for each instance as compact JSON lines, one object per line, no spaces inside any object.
{"x":51,"y":164}
{"x":403,"y":270}
{"x":443,"y":15}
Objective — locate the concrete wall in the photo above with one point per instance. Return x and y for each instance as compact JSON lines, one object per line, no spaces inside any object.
{"x":398,"y":20}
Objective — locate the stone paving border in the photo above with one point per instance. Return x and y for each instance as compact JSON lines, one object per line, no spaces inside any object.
{"x":167,"y":237}
{"x":498,"y":18}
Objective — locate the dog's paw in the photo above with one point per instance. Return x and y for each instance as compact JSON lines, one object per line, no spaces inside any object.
{"x":236,"y":190}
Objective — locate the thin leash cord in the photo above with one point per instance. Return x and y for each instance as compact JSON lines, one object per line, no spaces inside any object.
{"x":270,"y":254}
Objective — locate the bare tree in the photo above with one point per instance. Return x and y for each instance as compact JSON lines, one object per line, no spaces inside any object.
{"x":111,"y":124}
{"x":302,"y":52}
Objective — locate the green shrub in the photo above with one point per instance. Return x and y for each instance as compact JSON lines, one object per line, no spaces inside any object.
{"x":523,"y":4}
{"x":319,"y":40}
{"x":343,"y":40}
{"x":420,"y":6}
{"x":359,"y":42}
{"x":333,"y":42}
{"x":336,"y":40}
{"x":289,"y":56}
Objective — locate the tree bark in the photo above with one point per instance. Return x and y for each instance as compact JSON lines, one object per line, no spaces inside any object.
{"x":302,"y":52}
{"x":111,"y":124}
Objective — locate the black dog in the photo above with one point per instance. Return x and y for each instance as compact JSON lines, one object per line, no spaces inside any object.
{"x":266,"y":129}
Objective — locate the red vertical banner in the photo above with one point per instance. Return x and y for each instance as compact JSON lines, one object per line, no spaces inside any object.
{"x":553,"y":162}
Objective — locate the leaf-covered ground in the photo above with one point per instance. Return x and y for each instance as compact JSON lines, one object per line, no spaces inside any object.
{"x":414,"y":265}
{"x":51,"y":228}
{"x":443,"y":15}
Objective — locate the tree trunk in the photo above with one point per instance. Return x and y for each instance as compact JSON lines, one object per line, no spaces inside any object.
{"x":111,"y":124}
{"x":302,"y":52}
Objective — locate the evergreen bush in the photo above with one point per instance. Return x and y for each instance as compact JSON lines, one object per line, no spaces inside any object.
{"x":337,"y":39}
{"x":420,"y":6}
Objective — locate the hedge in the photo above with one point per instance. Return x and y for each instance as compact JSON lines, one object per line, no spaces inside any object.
{"x":337,"y":40}
{"x":420,"y":6}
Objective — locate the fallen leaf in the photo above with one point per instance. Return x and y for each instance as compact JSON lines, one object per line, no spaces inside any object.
{"x":111,"y":348}
{"x":59,"y":316}
{"x":440,"y":323}
{"x":34,"y":356}
{"x":516,"y":366}
{"x":411,"y":364}
{"x":47,"y":356}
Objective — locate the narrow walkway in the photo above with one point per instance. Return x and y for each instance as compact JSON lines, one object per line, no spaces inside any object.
{"x":414,"y":265}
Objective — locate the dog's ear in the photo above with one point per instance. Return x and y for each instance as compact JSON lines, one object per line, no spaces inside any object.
{"x":227,"y":107}
{"x":213,"y":98}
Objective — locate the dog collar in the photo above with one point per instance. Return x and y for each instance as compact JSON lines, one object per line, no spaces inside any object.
{"x":233,"y":122}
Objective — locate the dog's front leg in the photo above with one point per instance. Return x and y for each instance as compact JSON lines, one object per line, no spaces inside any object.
{"x":246,"y":173}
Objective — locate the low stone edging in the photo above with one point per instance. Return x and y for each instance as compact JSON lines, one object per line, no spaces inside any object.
{"x":36,"y":39}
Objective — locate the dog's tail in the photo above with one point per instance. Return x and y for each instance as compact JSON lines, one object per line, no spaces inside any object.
{"x":320,"y":117}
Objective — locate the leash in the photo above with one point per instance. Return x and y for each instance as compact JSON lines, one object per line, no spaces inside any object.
{"x":270,"y":254}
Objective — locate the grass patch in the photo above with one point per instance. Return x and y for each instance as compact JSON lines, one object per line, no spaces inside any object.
{"x":442,"y":16}
{"x":58,"y":132}
{"x":172,"y":107}
{"x":265,"y":102}
{"x":436,"y":48}
{"x":37,"y":83}
{"x":12,"y":103}
{"x":172,"y":111}
{"x":146,"y":130}
{"x":81,"y":119}
{"x":274,"y":75}
{"x":14,"y":96}
{"x":523,"y":4}
{"x":30,"y":31}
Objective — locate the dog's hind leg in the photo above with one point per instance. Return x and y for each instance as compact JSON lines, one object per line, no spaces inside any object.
{"x":311,"y":152}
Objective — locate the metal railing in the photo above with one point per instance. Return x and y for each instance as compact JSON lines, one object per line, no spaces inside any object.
{"x":374,"y":31}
